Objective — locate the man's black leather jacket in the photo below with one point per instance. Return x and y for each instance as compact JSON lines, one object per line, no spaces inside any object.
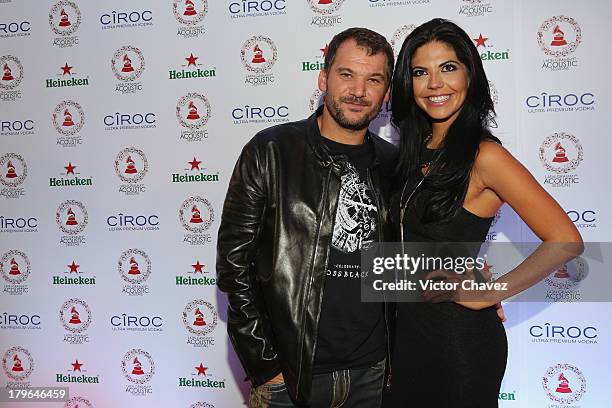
{"x":273,"y":246}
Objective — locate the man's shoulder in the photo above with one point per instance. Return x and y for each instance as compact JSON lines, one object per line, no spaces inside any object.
{"x":284,"y":133}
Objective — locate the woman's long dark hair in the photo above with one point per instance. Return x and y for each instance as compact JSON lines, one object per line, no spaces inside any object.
{"x":449,"y":176}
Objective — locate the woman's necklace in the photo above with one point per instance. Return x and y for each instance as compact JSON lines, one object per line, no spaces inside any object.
{"x":428,"y":156}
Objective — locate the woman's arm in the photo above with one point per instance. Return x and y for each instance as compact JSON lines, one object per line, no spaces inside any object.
{"x":498,"y":171}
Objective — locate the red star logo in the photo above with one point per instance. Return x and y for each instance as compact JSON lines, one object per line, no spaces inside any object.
{"x":77,"y":366}
{"x":197,"y":267}
{"x":73,"y":267}
{"x":191,"y":60}
{"x":66,"y":70}
{"x":195,"y":164}
{"x":201,"y":369}
{"x":480,"y":41}
{"x":324,"y":50}
{"x":70,"y":168}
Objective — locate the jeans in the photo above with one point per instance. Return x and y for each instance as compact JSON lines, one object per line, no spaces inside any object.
{"x":352,"y":388}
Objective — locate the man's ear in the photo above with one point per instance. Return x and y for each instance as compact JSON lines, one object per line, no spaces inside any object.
{"x":387,"y":95}
{"x":322,"y":81}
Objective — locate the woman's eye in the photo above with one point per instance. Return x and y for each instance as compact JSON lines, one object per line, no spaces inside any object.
{"x":449,"y":67}
{"x":418,"y":72}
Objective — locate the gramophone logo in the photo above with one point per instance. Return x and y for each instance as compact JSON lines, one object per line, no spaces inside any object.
{"x":398,"y":37}
{"x":131,"y":166}
{"x":75,"y":317}
{"x":258,"y":55}
{"x":200,"y":319}
{"x":15,"y":269}
{"x":12,"y":74}
{"x":18,"y":365}
{"x":568,"y":275}
{"x":138,"y":368}
{"x":475,"y":8}
{"x":324,"y":12}
{"x":128,"y":64}
{"x":325,"y":6}
{"x":135,"y":268}
{"x":189,"y":13}
{"x":564,"y":383}
{"x":561,"y":153}
{"x":64,"y":20}
{"x":68,"y":119}
{"x":13,"y":172}
{"x":71,"y":217}
{"x":78,"y":402}
{"x":193,"y":111}
{"x":196,"y":214}
{"x":558,"y":37}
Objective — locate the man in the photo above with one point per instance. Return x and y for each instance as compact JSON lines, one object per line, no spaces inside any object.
{"x":303,"y":199}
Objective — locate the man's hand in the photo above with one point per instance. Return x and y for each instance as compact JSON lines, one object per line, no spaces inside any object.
{"x":279,"y":379}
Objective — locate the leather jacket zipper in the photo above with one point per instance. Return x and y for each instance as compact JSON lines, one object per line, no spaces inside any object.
{"x":312,"y":265}
{"x":385,"y":306}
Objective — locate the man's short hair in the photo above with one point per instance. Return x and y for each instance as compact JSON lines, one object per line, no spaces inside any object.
{"x":373,"y":42}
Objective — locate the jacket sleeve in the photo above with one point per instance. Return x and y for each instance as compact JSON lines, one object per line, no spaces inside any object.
{"x":237,"y":246}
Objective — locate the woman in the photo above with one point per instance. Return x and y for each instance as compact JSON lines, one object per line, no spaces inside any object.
{"x":455,"y":175}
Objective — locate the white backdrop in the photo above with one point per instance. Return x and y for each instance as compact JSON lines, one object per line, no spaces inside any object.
{"x":121,"y":122}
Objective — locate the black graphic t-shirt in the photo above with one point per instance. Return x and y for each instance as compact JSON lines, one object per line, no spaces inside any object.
{"x":351,"y":332}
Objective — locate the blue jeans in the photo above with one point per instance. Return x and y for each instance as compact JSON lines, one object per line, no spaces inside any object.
{"x":353,"y":388}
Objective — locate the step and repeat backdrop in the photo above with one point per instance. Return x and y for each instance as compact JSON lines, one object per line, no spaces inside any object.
{"x":120,"y":122}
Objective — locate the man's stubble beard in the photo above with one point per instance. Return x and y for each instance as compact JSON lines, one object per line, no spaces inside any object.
{"x":333,"y":106}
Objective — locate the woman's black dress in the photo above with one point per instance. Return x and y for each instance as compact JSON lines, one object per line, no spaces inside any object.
{"x":445,"y":355}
